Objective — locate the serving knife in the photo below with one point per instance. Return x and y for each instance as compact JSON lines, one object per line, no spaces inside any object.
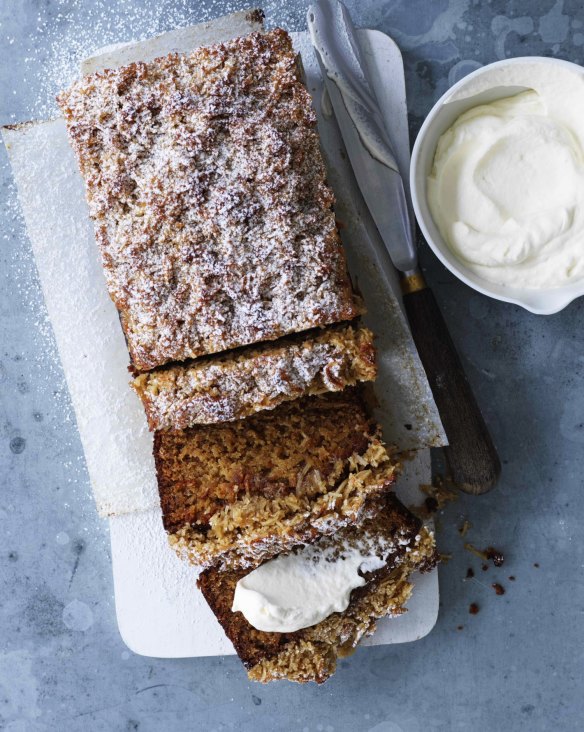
{"x":470,"y":453}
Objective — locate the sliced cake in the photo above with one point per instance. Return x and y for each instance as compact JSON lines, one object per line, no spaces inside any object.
{"x":388,"y":547}
{"x":206,"y":182}
{"x":236,"y":493}
{"x":234,"y":386}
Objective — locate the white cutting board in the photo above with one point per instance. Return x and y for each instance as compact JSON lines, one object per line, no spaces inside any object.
{"x":160,"y":612}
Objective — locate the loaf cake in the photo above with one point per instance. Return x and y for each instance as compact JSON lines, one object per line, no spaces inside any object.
{"x":236,"y":385}
{"x":206,"y":183}
{"x":310,"y":654}
{"x":236,"y":493}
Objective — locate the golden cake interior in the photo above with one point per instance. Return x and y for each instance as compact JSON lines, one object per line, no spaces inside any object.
{"x":237,"y":492}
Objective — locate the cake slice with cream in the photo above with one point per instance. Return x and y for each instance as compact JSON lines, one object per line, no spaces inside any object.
{"x":295,"y":615}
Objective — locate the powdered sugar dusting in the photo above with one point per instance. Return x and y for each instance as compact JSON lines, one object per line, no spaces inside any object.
{"x":206,"y":182}
{"x":51,"y":196}
{"x":113,"y":430}
{"x":376,"y":539}
{"x":42,"y":363}
{"x":238,"y":385}
{"x":65,"y":32}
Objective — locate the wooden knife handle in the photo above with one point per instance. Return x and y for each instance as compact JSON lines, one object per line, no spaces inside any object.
{"x":471,"y":455}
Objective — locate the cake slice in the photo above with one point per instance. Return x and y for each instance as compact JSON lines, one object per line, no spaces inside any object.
{"x":236,"y":493}
{"x":399,"y":542}
{"x":206,"y":183}
{"x":236,"y":385}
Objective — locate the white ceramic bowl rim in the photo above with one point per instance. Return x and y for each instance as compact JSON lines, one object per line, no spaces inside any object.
{"x":540,"y":302}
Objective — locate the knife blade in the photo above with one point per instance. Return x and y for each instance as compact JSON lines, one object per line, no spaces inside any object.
{"x":471,"y":455}
{"x":366,"y":140}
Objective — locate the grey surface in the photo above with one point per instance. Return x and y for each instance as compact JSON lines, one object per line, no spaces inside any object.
{"x":517,"y":665}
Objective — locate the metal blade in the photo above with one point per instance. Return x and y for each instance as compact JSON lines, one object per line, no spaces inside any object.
{"x":366,"y":140}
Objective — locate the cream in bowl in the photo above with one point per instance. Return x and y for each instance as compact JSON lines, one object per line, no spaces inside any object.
{"x":503,"y":181}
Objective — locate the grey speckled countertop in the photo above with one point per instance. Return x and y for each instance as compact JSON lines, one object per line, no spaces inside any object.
{"x":517,"y":665}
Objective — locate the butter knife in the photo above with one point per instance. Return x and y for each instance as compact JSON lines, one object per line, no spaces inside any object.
{"x":470,"y":453}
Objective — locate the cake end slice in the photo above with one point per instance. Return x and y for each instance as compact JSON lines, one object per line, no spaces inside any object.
{"x":206,"y":182}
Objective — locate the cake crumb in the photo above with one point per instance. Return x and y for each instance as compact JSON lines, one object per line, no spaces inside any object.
{"x":477,"y":552}
{"x":488,"y":554}
{"x":495,"y":556}
{"x":463,"y":530}
{"x":441,"y":490}
{"x":438,"y":494}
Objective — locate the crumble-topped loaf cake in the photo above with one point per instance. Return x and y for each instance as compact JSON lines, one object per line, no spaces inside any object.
{"x":206,"y":182}
{"x":236,"y":493}
{"x":220,"y":389}
{"x":310,"y":654}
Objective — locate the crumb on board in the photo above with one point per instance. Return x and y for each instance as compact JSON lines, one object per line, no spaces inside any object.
{"x":441,"y":489}
{"x":439,"y":493}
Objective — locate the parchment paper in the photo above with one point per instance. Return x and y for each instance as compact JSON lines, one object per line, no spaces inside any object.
{"x":181,"y":40}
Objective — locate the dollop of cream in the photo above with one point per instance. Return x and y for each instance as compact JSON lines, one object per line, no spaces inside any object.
{"x":507,"y":186}
{"x":296,"y":591}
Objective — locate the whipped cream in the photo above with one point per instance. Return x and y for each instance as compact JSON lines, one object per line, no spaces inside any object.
{"x":296,"y":591}
{"x":507,"y":186}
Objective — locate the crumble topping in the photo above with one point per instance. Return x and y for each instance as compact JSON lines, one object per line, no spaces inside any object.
{"x":207,"y":186}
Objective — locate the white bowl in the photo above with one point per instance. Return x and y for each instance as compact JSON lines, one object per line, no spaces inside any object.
{"x":488,"y":85}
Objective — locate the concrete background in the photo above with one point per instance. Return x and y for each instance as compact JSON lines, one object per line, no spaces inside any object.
{"x":517,"y":665}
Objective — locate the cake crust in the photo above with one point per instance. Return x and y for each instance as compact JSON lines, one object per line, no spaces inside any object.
{"x":206,"y":182}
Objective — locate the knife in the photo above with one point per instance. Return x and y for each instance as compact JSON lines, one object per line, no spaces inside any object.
{"x":471,"y":454}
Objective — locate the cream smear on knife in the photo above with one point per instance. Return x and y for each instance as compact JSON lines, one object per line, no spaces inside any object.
{"x":507,"y":185}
